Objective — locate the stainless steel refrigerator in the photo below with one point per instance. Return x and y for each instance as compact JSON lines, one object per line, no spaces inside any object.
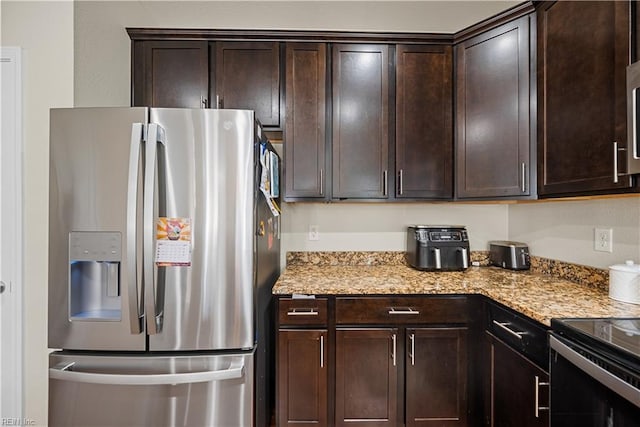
{"x":163,"y":248}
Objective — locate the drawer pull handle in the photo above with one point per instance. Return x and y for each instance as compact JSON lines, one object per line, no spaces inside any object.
{"x":403,"y":311}
{"x":539,"y":408}
{"x":302,"y":312}
{"x":503,"y":325}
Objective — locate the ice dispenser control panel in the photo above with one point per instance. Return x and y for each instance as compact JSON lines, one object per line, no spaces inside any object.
{"x":95,"y":246}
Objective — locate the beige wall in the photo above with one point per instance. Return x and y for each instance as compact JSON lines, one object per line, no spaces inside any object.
{"x":376,"y":227}
{"x":564,"y":230}
{"x":44,"y":30}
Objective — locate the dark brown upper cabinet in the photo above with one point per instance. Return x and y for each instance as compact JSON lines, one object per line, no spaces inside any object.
{"x":424,"y":117}
{"x":171,"y":74}
{"x":583,"y":51}
{"x":247,"y":76}
{"x":203,"y":73}
{"x":360,"y":134}
{"x":305,"y":168}
{"x":493,"y":113}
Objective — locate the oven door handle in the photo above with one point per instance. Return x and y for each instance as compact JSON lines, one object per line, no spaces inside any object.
{"x":601,"y":375}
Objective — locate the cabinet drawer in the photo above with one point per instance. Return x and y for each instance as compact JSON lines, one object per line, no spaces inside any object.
{"x":302,"y":312}
{"x":401,"y":310}
{"x":523,"y":334}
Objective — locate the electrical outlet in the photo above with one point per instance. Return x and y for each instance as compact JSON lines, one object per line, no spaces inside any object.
{"x":314,"y":232}
{"x":603,"y":240}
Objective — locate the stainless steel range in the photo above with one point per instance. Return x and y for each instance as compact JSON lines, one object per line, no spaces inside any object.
{"x":595,"y":372}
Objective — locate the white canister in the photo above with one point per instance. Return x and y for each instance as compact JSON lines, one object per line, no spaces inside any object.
{"x":624,"y":282}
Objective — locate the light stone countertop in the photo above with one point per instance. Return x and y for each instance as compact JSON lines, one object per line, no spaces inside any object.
{"x":541,"y":297}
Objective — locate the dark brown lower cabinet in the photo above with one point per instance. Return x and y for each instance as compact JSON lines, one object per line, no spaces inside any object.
{"x":366,"y":377}
{"x":377,"y":361}
{"x":368,"y":366}
{"x":302,"y":377}
{"x":519,"y":390}
{"x":436,"y":377}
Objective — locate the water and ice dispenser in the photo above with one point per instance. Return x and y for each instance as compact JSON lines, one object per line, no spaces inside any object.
{"x":94,"y":275}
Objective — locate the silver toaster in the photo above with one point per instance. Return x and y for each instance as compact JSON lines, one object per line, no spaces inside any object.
{"x":511,"y":255}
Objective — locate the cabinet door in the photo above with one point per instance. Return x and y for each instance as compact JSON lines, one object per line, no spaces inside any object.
{"x":519,"y":389}
{"x":171,"y":74}
{"x":248,"y":77}
{"x":436,"y":377}
{"x":583,"y":49}
{"x":360,"y":121}
{"x":424,"y":139}
{"x":493,"y":113}
{"x":302,"y":377}
{"x":304,"y":136}
{"x":366,"y":377}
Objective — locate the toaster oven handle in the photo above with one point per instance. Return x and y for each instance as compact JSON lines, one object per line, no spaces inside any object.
{"x":465,"y":258}
{"x":436,"y":253}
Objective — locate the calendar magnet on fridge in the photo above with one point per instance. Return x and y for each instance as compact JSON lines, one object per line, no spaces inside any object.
{"x":173,"y":242}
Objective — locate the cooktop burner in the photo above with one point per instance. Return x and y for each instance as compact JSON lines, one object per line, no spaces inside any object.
{"x":618,"y":338}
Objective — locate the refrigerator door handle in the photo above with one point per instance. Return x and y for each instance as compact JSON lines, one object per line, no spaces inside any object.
{"x":235,"y":371}
{"x":134,"y":285}
{"x":155,"y":136}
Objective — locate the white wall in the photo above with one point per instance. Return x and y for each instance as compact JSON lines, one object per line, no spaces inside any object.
{"x":45,"y":32}
{"x":564,"y":230}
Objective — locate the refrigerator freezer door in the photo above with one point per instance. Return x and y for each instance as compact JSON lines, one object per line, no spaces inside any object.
{"x":151,"y":390}
{"x":94,"y":211}
{"x":204,"y":291}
